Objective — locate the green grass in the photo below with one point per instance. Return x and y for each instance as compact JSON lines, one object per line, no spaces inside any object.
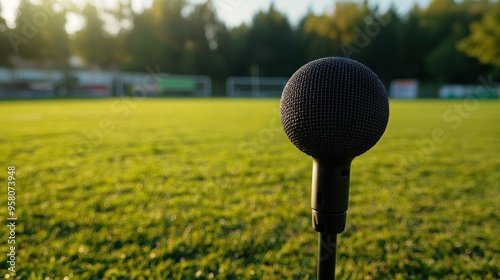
{"x":181,"y":189}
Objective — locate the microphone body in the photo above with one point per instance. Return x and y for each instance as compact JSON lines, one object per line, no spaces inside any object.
{"x":330,"y":194}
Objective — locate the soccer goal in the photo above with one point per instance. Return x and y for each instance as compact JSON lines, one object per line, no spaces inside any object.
{"x":255,"y":87}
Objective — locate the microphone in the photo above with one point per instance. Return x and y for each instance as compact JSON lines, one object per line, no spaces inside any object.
{"x":333,"y":109}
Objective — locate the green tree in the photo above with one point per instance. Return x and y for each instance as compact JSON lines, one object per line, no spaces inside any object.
{"x":342,"y":29}
{"x":412,"y":50}
{"x":94,"y":44}
{"x":5,"y":46}
{"x":25,"y":38}
{"x":159,"y":37}
{"x":39,"y":34}
{"x":57,"y":44}
{"x":172,"y":31}
{"x":232,"y":46}
{"x":484,"y":41}
{"x":123,"y":15}
{"x":270,"y":43}
{"x":206,"y":34}
{"x":54,"y":35}
{"x":383,"y":52}
{"x":142,"y":42}
{"x":447,"y":24}
{"x":313,"y":42}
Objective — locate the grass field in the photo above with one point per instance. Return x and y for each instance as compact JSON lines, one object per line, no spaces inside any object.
{"x":184,"y":189}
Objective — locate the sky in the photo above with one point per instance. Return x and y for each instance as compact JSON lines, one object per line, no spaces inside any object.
{"x":235,"y":12}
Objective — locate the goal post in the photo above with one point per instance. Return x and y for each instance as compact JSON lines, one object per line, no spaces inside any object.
{"x":255,"y":87}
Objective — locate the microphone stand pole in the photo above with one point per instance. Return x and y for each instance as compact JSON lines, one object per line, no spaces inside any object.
{"x":327,"y":251}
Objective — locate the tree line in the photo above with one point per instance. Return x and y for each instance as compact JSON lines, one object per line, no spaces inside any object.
{"x":446,"y":42}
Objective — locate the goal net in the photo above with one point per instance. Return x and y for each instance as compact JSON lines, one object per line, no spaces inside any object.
{"x":255,"y":87}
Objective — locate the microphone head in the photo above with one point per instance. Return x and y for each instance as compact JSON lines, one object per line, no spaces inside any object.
{"x":334,"y":108}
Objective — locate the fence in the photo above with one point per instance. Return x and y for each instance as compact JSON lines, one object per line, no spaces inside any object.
{"x":36,"y":83}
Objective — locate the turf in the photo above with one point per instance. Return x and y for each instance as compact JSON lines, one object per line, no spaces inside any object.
{"x":184,"y":189}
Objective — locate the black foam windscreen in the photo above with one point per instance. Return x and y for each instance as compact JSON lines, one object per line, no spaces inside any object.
{"x":334,"y":108}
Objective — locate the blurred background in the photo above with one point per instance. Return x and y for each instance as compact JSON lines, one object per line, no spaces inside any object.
{"x":51,"y":48}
